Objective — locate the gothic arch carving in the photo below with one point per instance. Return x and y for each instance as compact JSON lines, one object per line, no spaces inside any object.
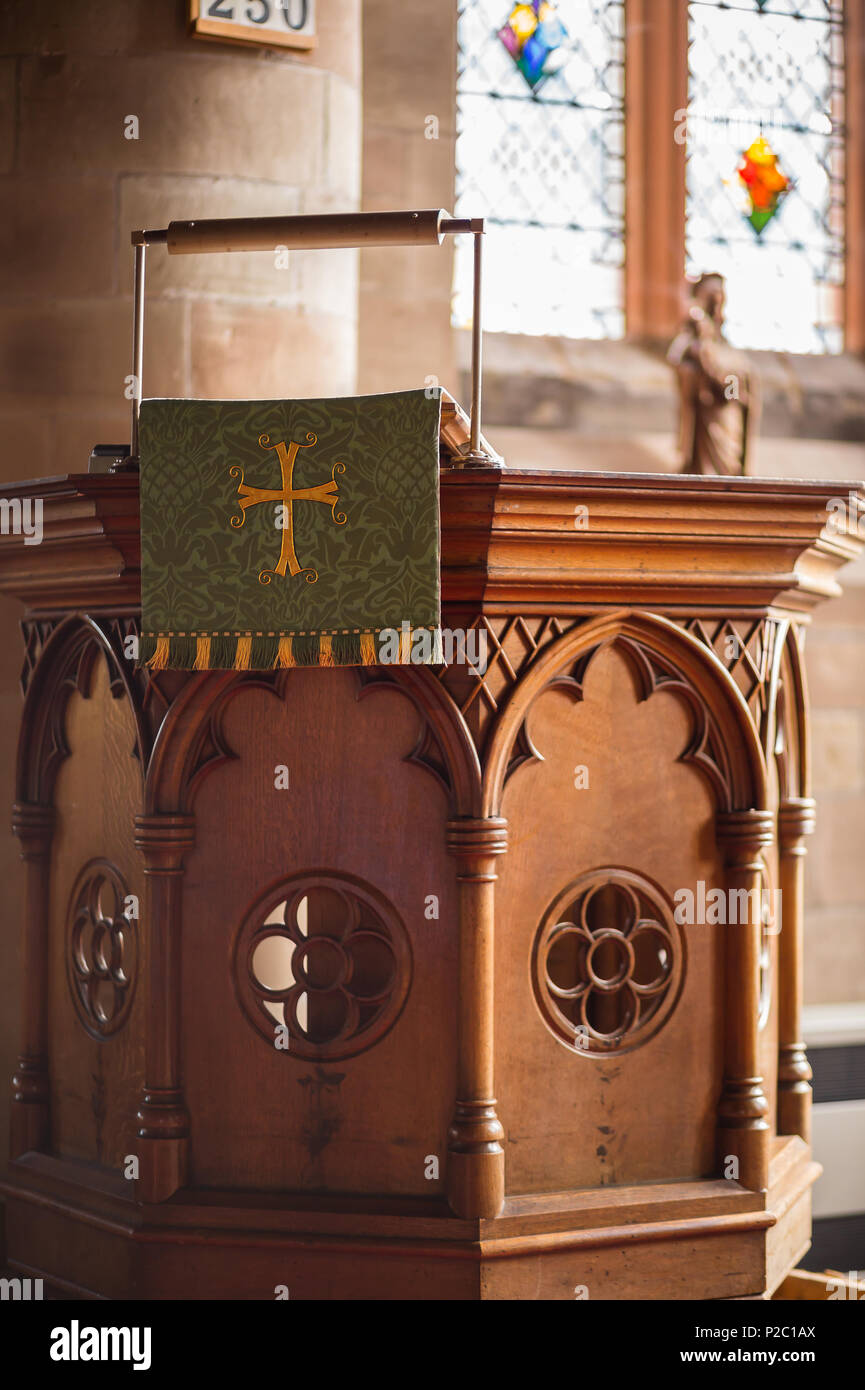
{"x":66,"y":660}
{"x":790,"y":744}
{"x":443,"y":725}
{"x":191,"y":742}
{"x":725,"y":746}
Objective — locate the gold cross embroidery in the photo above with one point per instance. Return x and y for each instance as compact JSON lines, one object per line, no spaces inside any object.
{"x":287,"y":496}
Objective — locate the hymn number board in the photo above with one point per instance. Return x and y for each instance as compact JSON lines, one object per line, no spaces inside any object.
{"x":285,"y":23}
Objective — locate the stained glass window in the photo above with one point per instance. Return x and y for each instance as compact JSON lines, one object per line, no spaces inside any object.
{"x":540,"y":137}
{"x":765,"y":171}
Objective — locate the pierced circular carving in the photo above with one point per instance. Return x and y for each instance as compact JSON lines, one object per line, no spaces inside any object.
{"x":608,"y":962}
{"x":101,"y":948}
{"x":326,"y":956}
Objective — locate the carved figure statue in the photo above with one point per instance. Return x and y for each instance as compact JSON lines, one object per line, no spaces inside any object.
{"x":717,"y":390}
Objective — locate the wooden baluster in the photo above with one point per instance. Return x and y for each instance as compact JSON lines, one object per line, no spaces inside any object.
{"x":743,"y":1129}
{"x":476,"y":1160}
{"x":29,"y":1122}
{"x":163,"y":1118}
{"x":796,"y":819}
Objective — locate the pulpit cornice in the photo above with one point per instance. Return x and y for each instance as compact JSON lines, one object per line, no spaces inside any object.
{"x":516,"y":541}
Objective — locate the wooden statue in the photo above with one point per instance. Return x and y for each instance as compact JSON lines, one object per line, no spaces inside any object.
{"x":716,"y":388}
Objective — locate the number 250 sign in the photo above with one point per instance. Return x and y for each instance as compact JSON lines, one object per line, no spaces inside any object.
{"x":287,"y":23}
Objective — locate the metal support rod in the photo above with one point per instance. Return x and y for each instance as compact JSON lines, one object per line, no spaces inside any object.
{"x":475,"y":450}
{"x":353,"y":229}
{"x":137,"y":340}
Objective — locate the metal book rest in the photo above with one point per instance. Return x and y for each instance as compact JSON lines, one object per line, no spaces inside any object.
{"x":314,"y":232}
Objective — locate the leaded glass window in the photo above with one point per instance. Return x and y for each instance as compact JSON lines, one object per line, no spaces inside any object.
{"x":540,"y":137}
{"x":765,"y":169}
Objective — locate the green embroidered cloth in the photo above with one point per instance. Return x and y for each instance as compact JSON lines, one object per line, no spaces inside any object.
{"x":284,"y":533}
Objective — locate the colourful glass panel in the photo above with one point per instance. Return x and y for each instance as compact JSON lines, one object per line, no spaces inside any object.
{"x":765,"y":145}
{"x":765,"y":183}
{"x":544,"y":165}
{"x":534,"y":35}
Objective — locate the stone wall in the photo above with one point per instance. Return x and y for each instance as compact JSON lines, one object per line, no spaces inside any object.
{"x":223,"y":130}
{"x":409,"y":95}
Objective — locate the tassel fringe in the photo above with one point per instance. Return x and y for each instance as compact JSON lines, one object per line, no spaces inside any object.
{"x":202,"y":654}
{"x":243,"y":654}
{"x":220,"y":651}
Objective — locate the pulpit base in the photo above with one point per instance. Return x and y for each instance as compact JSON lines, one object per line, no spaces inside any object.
{"x":76,"y":1227}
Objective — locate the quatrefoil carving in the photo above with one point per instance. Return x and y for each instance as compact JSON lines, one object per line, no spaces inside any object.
{"x":326,"y":960}
{"x":608,"y":962}
{"x":102,"y":946}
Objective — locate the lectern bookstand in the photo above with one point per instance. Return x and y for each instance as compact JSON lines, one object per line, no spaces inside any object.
{"x":401,"y":982}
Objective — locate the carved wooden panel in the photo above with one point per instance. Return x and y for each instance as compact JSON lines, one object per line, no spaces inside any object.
{"x":35,"y":632}
{"x":747,"y":649}
{"x":358,"y":818}
{"x":95,"y":1022}
{"x":611,"y":790}
{"x":512,"y":644}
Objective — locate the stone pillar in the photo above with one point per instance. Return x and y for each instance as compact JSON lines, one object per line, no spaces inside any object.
{"x":117,"y":117}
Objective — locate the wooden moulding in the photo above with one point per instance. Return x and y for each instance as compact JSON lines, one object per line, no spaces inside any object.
{"x":84,"y":1233}
{"x":556,"y":543}
{"x":803,"y":1285}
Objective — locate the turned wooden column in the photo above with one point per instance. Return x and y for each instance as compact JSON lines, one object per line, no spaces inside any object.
{"x":476,"y":1159}
{"x":163,"y":1119}
{"x":743,"y":1127}
{"x":29,"y":1123}
{"x":796,"y":819}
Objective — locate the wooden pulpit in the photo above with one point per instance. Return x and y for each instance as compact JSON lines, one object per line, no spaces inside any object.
{"x":427,"y":982}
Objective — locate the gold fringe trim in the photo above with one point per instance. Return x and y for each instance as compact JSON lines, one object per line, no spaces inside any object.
{"x":404,"y":646}
{"x":367,"y":649}
{"x":159,"y":659}
{"x":285,"y":655}
{"x":325,"y":651}
{"x":243,"y":655}
{"x":202,"y":654}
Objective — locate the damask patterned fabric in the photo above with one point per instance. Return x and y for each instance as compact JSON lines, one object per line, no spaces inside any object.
{"x":284,"y":533}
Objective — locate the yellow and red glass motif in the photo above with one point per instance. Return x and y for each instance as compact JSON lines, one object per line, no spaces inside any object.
{"x":534,"y":36}
{"x":765,"y":183}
